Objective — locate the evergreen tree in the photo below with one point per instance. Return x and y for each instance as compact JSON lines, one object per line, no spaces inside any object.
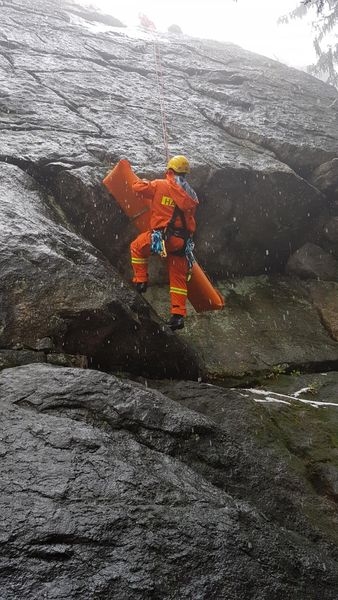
{"x":325,"y":45}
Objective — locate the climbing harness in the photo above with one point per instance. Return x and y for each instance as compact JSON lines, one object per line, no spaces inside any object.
{"x":183,"y":233}
{"x":157,"y":245}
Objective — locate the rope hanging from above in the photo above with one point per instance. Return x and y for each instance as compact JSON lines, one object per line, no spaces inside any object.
{"x":150,"y":26}
{"x":160,"y":88}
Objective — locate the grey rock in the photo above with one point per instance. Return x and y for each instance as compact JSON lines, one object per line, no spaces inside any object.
{"x":325,"y":299}
{"x":325,"y":478}
{"x":175,"y":29}
{"x":239,"y":232}
{"x":277,"y":436}
{"x":75,"y":100}
{"x":13,"y":358}
{"x":330,"y":230}
{"x":312,"y":262}
{"x":110,"y":490}
{"x":44,"y":344}
{"x":255,"y":130}
{"x":67,"y":360}
{"x":92,"y":15}
{"x":325,"y":177}
{"x":268,"y":325}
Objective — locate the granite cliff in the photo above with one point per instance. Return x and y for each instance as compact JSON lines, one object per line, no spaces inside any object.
{"x":127,"y":473}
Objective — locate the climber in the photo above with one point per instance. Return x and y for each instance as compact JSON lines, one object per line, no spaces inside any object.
{"x":173,"y":203}
{"x":146,"y":23}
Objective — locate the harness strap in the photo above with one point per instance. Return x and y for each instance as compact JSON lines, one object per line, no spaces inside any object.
{"x":177,"y":213}
{"x":157,"y":246}
{"x":181,"y":232}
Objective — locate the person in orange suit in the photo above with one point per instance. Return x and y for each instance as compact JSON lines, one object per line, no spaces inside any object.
{"x":172,"y":221}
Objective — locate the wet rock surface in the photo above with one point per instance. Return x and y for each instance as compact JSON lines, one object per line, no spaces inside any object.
{"x":331,"y":229}
{"x":312,"y":262}
{"x":325,"y":299}
{"x":287,"y":426}
{"x":110,"y":489}
{"x":78,"y":96}
{"x":268,"y":324}
{"x":325,"y":177}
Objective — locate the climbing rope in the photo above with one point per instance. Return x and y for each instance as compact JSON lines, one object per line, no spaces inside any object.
{"x":160,"y":89}
{"x":189,"y":252}
{"x":149,"y":26}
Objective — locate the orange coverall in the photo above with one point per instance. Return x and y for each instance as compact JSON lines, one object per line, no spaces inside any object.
{"x":164,"y":195}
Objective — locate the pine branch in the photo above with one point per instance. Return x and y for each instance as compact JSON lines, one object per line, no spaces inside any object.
{"x":322,"y":26}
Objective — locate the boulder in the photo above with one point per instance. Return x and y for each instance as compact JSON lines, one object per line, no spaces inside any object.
{"x":241,"y":230}
{"x":325,"y":300}
{"x":175,"y":29}
{"x":269,"y":325}
{"x":285,"y":427}
{"x":325,"y":177}
{"x":312,"y":262}
{"x":330,"y":230}
{"x":109,"y":489}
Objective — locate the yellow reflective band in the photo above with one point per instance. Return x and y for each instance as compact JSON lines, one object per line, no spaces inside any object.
{"x":139,"y":261}
{"x":167,"y":201}
{"x":181,"y":291}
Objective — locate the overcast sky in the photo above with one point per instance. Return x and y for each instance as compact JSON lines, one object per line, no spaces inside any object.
{"x":251,"y":24}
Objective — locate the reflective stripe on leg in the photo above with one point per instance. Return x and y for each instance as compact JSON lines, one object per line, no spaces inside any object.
{"x":175,"y":290}
{"x":178,"y":266}
{"x":140,"y":251}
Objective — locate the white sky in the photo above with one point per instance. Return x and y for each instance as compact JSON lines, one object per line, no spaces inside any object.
{"x":251,"y":24}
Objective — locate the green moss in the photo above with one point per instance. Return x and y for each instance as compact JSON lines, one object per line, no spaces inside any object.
{"x":303,"y":438}
{"x":59,"y":213}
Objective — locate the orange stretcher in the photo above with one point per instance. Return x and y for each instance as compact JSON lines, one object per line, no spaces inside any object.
{"x":201,"y":293}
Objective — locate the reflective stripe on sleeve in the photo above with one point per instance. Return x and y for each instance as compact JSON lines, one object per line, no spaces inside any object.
{"x":139,"y":261}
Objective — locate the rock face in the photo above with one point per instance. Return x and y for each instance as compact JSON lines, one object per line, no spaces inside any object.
{"x":114,"y":491}
{"x":110,"y":489}
{"x":287,"y":428}
{"x":255,"y":130}
{"x":81,"y":94}
{"x":325,"y":177}
{"x":311,"y":262}
{"x":325,"y":300}
{"x":269,"y":325}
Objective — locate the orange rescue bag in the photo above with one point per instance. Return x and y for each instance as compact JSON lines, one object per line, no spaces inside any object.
{"x":119,"y":183}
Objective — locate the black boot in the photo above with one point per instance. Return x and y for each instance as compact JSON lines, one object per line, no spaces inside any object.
{"x":176,"y":322}
{"x":141,"y":287}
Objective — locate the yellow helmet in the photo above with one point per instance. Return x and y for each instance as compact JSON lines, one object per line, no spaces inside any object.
{"x":179,"y":164}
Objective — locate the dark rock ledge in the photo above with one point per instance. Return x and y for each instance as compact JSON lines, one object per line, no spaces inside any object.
{"x":110,"y":490}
